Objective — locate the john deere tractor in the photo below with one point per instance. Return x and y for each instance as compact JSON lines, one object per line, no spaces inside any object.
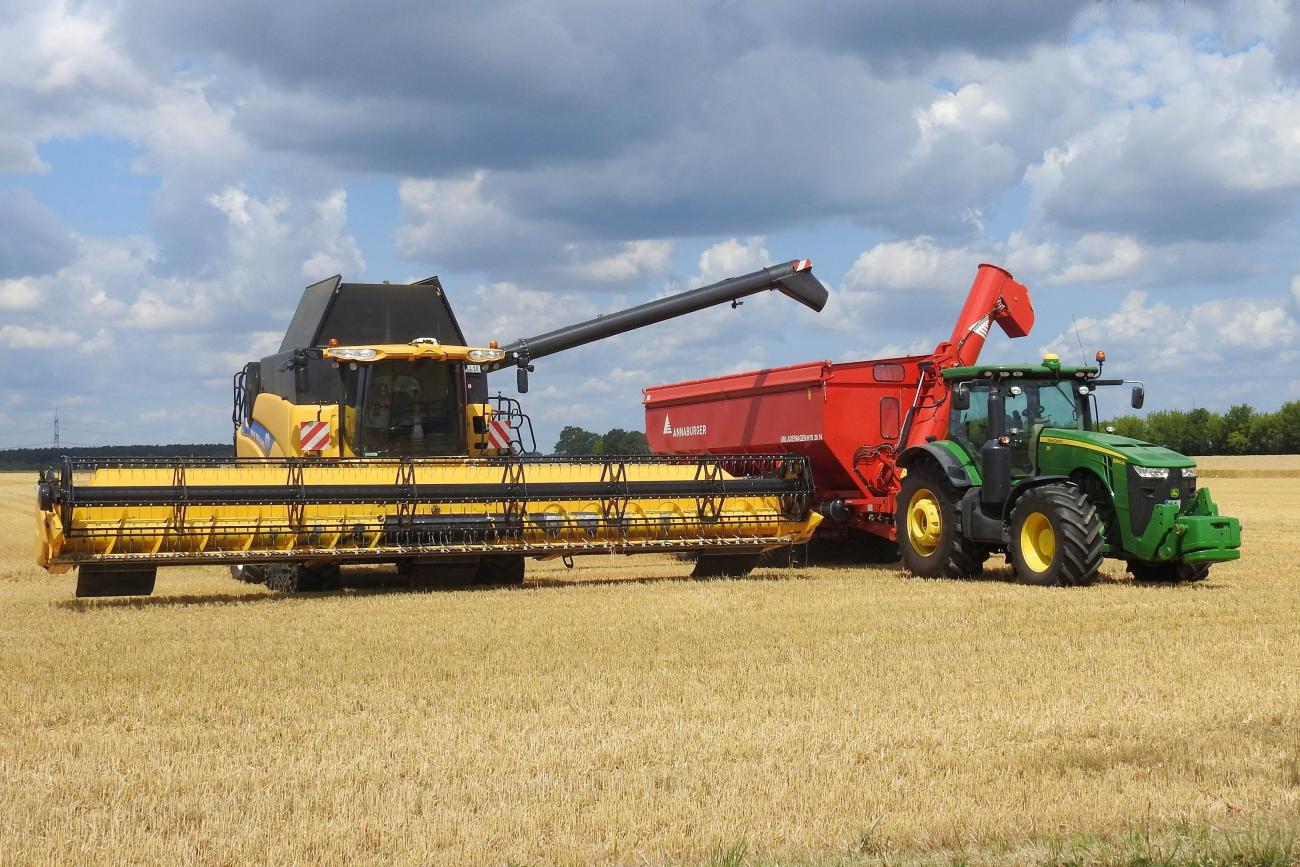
{"x":1024,"y":470}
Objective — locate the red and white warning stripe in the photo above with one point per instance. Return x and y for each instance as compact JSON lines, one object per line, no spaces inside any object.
{"x":803,"y":264}
{"x":499,"y":435}
{"x":313,"y":435}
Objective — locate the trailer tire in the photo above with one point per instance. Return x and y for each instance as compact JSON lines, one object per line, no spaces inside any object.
{"x":1168,"y":572}
{"x":507,"y":570}
{"x":1056,"y":537}
{"x":927,"y":501}
{"x":725,"y":565}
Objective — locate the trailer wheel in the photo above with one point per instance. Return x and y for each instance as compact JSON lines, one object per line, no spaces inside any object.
{"x":1168,"y":572}
{"x":1056,"y":537}
{"x":926,"y":521}
{"x":725,"y":565}
{"x":507,"y":569}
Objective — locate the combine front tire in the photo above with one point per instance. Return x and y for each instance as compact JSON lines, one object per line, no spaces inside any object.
{"x":1056,"y":538}
{"x":928,"y":539}
{"x":1168,"y":572}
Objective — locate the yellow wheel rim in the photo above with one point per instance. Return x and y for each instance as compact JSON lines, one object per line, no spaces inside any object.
{"x":924,"y":524}
{"x":1037,"y":542}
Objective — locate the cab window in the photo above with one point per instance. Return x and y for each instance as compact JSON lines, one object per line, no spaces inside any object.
{"x":971,"y":426}
{"x":403,"y":408}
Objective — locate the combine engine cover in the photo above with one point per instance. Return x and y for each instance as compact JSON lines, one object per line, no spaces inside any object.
{"x":129,"y":517}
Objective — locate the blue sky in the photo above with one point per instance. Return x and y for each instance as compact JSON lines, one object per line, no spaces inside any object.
{"x":172,"y":175}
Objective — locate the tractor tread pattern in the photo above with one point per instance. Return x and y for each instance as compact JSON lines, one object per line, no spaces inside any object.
{"x":1080,"y":541}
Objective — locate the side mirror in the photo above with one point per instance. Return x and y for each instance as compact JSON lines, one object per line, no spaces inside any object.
{"x":521,"y":378}
{"x":961,"y":398}
{"x":299,"y":364}
{"x":1139,"y":397}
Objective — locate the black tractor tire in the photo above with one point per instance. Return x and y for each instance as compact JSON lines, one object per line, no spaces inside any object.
{"x":501,"y":570}
{"x":300,"y":578}
{"x":1168,"y":572}
{"x":736,"y":565}
{"x":1056,"y":537}
{"x":924,"y":496}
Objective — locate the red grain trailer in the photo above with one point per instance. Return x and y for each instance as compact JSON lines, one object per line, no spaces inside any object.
{"x":850,"y":419}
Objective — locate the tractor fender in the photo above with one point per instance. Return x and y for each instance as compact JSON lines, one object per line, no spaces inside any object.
{"x":1029,"y":484}
{"x":952,"y":467}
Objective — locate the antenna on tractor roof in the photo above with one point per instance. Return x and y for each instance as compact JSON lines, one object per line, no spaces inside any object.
{"x":1083,"y":356}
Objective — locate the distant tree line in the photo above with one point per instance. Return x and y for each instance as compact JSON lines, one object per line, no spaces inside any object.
{"x":33,"y":459}
{"x":1239,"y":431}
{"x":575,"y":442}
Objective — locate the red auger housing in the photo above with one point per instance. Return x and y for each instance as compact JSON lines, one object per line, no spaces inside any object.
{"x":851,"y":420}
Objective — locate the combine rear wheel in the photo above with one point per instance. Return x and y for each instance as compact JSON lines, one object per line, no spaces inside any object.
{"x":928,"y":539}
{"x":1168,"y":573}
{"x":1056,"y":538}
{"x":249,"y":573}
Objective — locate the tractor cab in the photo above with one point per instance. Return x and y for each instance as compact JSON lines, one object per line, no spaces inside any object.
{"x":1014,"y":405}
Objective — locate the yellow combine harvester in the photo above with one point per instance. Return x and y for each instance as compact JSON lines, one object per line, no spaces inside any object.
{"x":370,"y":438}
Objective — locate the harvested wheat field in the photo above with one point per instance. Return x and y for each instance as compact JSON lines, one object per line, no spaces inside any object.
{"x":622,"y":713}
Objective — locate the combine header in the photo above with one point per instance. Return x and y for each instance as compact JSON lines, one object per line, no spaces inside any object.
{"x":956,"y":461}
{"x":370,"y":438}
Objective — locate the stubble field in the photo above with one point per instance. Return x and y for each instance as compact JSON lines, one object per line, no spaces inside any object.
{"x":623,"y":713}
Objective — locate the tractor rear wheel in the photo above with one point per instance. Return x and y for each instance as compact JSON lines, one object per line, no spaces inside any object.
{"x":926,"y":522}
{"x":1168,"y":572}
{"x":1056,"y":537}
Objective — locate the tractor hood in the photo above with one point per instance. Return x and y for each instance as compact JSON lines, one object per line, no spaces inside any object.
{"x":1133,"y":451}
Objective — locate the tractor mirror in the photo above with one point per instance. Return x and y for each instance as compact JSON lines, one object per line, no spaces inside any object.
{"x":961,"y":398}
{"x":521,"y":379}
{"x":1139,"y":397}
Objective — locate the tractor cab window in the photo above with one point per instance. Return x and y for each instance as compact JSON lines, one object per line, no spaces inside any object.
{"x":970,"y":426}
{"x":404,"y":409}
{"x":1032,"y":405}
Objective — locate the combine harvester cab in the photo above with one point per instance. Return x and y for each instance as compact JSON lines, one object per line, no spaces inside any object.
{"x":954,"y":461}
{"x":370,"y":438}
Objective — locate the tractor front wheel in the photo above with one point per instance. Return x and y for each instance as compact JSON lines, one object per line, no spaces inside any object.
{"x":928,"y":539}
{"x":1056,"y":537}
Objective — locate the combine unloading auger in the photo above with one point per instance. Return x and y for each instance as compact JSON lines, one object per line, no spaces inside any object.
{"x":365,"y":441}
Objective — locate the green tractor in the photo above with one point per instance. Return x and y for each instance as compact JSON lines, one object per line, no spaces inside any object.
{"x":1024,"y":470}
